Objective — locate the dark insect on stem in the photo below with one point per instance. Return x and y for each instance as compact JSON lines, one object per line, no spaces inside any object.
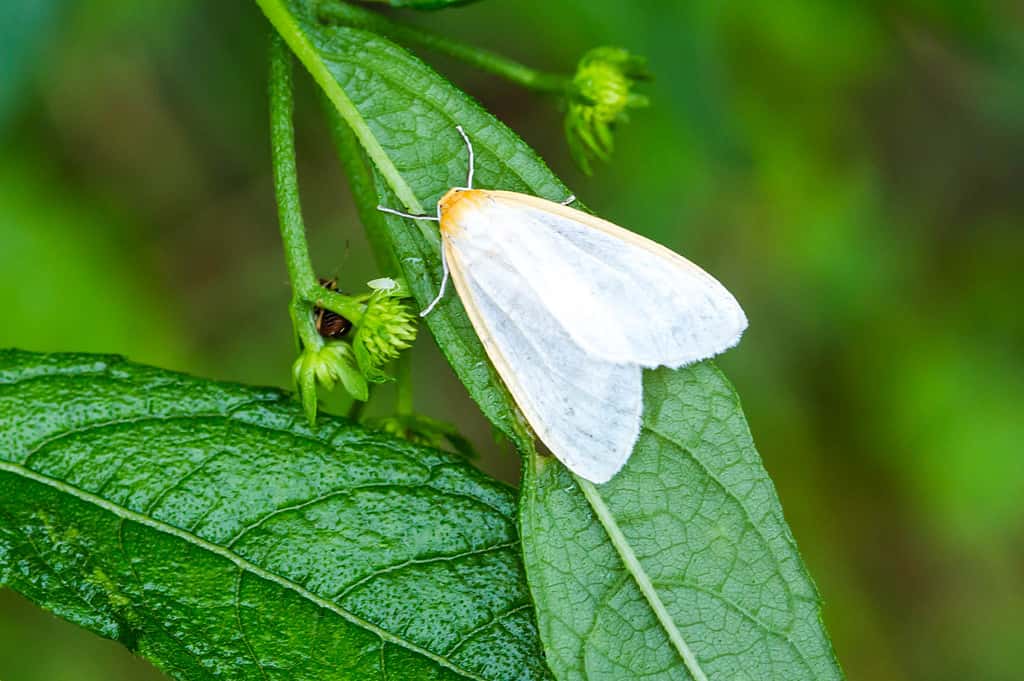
{"x":330,"y":324}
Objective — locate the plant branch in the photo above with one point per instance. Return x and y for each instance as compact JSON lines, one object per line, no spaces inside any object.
{"x":286,"y":188}
{"x":289,"y":29}
{"x":356,"y":17}
{"x":347,"y":306}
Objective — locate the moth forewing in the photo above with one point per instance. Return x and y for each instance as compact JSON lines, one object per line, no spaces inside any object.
{"x":585,"y":410}
{"x":621,"y":297}
{"x":570,"y":308}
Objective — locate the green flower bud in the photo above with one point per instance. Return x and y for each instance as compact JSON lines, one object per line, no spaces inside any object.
{"x":326,"y":366}
{"x":388,"y":326}
{"x":601,"y":94}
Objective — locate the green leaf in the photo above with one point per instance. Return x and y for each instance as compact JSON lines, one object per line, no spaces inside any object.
{"x":623,"y":590}
{"x":404,"y":116}
{"x":682,"y":566}
{"x":207,"y":528}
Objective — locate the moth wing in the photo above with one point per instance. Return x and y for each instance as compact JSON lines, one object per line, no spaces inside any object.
{"x":620,"y":296}
{"x":585,"y":409}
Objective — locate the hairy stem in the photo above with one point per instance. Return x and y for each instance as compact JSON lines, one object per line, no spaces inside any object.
{"x":349,"y":15}
{"x":288,"y":28}
{"x":347,"y":306}
{"x":286,"y":188}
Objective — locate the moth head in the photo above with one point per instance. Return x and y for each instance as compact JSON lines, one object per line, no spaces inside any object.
{"x":453,"y":206}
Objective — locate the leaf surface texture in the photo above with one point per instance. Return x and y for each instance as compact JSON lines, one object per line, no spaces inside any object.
{"x":206,"y":527}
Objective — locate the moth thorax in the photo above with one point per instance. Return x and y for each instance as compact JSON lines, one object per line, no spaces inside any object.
{"x":454,"y":205}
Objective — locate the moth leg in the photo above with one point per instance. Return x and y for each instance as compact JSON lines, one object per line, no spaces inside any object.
{"x":572,"y":197}
{"x":385,"y":209}
{"x":444,"y":285}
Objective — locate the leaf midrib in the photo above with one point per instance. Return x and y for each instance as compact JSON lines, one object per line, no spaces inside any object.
{"x":635,"y":568}
{"x":311,"y":58}
{"x":639,"y":575}
{"x":237,"y":560}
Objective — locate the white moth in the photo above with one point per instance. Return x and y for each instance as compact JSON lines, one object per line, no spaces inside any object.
{"x":571,"y":309}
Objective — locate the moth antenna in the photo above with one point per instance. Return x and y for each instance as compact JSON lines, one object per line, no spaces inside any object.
{"x":444,"y":284}
{"x":572,"y":197}
{"x":472,"y":160}
{"x":385,"y":209}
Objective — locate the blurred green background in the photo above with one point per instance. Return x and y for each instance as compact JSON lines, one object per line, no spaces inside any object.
{"x":853,"y":171}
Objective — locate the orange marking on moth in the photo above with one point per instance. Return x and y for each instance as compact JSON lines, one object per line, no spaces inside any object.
{"x":454,"y":203}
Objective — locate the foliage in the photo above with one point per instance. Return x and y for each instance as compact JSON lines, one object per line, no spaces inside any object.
{"x":421,"y":163}
{"x":345,"y":533}
{"x":856,"y":187}
{"x":209,"y":529}
{"x":422,"y":4}
{"x":681,"y":566}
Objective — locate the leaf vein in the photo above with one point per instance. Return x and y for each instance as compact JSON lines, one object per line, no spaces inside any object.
{"x":239,"y":561}
{"x":728,"y":492}
{"x":496,"y":619}
{"x":636,"y":571}
{"x":345,"y":592}
{"x":241,"y":627}
{"x":143,"y":610}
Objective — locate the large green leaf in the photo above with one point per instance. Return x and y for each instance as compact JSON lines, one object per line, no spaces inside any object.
{"x":208,"y":528}
{"x":701,"y":578}
{"x":683,"y":566}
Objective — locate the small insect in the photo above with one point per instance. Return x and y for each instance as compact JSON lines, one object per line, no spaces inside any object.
{"x":538,"y":279}
{"x":330,"y":324}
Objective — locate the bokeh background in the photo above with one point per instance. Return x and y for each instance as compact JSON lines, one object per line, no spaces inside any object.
{"x":854,"y":171}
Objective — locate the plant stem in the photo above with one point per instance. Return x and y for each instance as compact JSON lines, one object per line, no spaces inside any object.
{"x":347,"y":306}
{"x":289,"y":29}
{"x":356,"y":17}
{"x":286,"y":188}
